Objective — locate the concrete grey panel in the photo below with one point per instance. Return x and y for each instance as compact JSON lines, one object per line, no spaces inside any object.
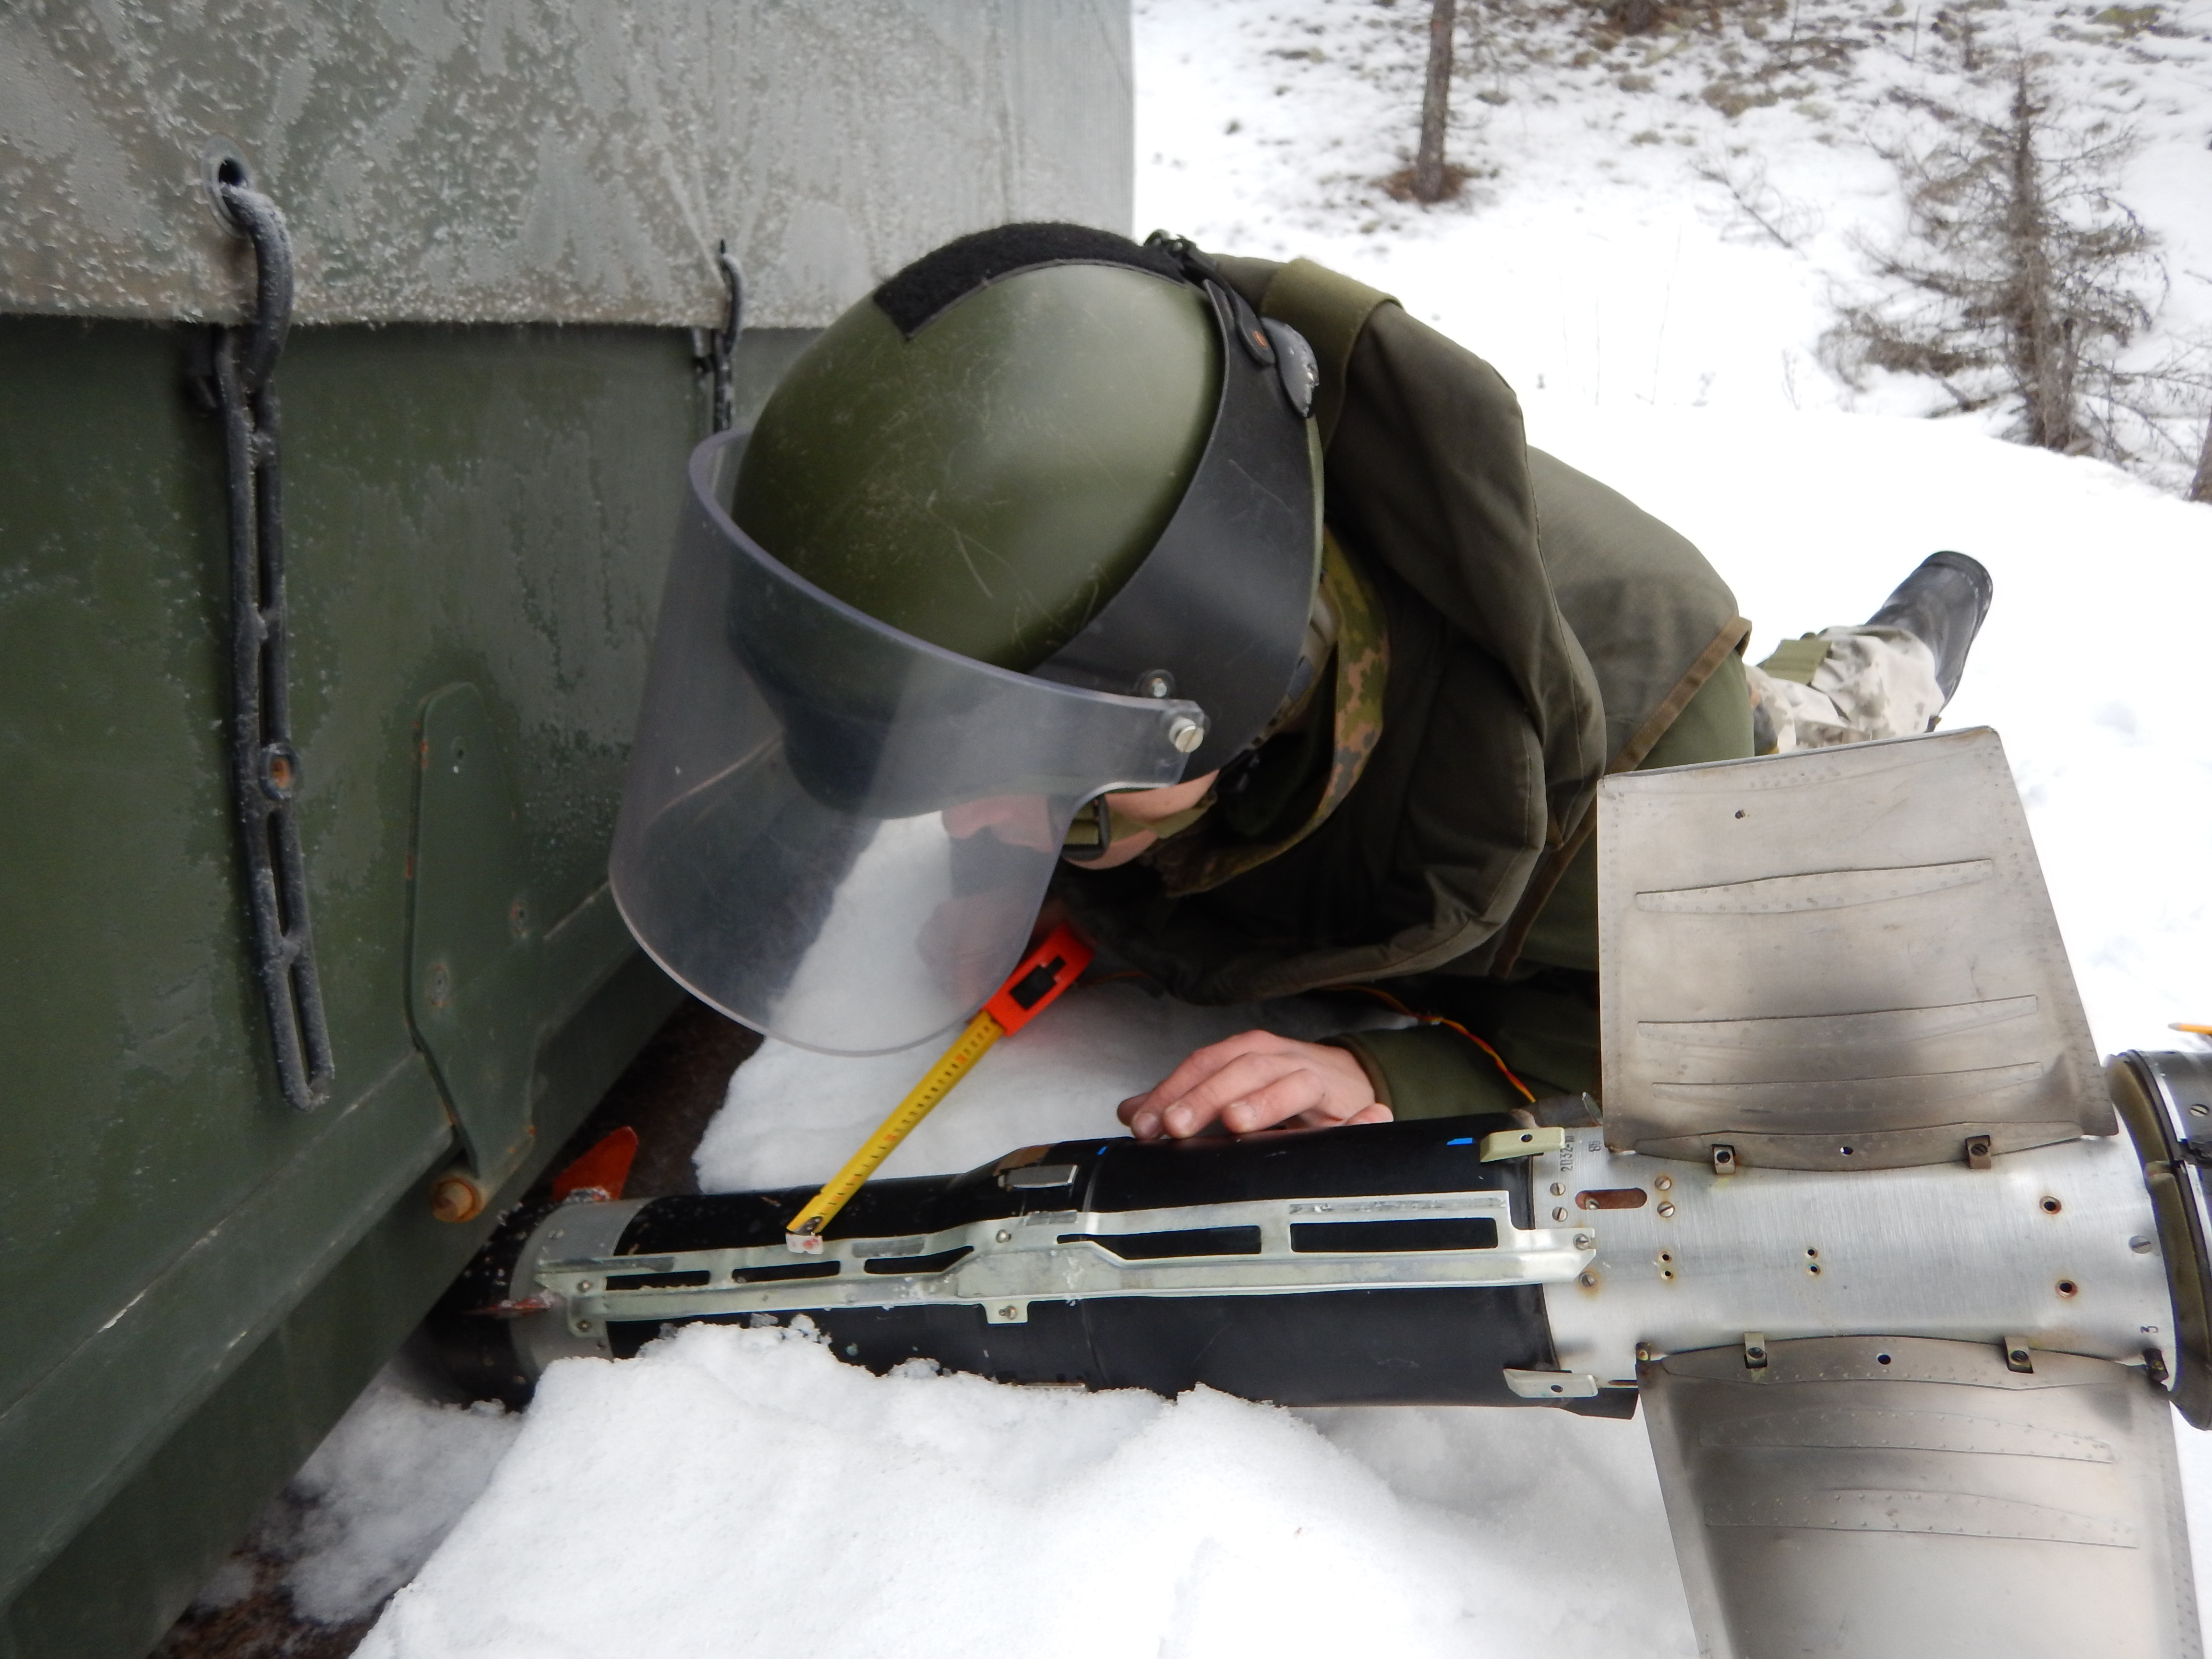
{"x":545,"y":160}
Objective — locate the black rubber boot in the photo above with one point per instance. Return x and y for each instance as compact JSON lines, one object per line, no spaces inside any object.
{"x":1941,"y":603}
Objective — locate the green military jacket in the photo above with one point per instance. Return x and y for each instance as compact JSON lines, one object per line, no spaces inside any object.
{"x":1536,"y":630}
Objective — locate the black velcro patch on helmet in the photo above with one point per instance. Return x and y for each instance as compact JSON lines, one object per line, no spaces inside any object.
{"x":934,"y":281}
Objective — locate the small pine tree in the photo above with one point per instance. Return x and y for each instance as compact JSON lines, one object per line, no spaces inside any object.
{"x":2022,"y":278}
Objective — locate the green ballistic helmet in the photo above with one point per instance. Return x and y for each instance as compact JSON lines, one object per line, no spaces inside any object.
{"x":1052,"y":450}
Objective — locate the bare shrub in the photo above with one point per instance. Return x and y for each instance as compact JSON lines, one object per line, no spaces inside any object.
{"x":1758,"y":204}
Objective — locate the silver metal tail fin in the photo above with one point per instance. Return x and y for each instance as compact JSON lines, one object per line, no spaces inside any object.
{"x":1874,"y":1497}
{"x":1841,"y":959}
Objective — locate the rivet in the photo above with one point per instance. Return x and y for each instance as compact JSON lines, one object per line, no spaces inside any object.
{"x":1004,"y":1238}
{"x":583,"y":1285}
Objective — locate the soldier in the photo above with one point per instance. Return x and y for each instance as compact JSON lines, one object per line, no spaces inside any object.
{"x":1397,"y":646}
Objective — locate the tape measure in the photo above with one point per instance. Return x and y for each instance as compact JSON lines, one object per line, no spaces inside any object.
{"x":1042,"y":976}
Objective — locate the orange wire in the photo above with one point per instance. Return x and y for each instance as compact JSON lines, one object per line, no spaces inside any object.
{"x":1526,"y":1093}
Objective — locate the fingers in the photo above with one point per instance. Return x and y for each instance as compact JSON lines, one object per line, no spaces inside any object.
{"x":1211,"y":1059}
{"x":1147,"y":1115}
{"x":1255,"y":1080}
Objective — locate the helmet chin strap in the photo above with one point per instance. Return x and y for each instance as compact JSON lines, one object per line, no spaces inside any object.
{"x":1319,"y":645}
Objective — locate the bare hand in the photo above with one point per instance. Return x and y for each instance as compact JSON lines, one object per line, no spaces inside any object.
{"x":1255,"y":1081}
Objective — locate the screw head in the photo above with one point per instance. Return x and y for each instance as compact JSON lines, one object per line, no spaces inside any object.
{"x":1666,"y":1211}
{"x":1003,"y":1236}
{"x":1559,"y":1213}
{"x":1185,"y":733}
{"x":1665,"y":1183}
{"x":1583,"y":1241}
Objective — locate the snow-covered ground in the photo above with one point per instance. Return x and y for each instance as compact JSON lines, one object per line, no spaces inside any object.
{"x":739,"y":1491}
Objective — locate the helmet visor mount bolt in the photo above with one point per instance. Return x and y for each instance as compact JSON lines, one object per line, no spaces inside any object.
{"x":1185,"y":733}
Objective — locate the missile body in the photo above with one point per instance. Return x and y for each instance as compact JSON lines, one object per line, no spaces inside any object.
{"x":1382,"y":1264}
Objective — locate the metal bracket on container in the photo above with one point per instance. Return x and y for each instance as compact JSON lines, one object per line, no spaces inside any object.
{"x":1551,"y":1385}
{"x":1522,"y":1143}
{"x":723,"y":342}
{"x":264,"y":767}
{"x":475,"y":956}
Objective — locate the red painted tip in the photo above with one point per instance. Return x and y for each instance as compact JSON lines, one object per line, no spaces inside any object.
{"x":606,"y":1166}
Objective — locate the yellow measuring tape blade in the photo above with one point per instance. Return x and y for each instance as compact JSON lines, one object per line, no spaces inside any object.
{"x":806,"y":1229}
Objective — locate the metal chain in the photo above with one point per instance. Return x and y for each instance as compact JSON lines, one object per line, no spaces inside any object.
{"x":264,"y":767}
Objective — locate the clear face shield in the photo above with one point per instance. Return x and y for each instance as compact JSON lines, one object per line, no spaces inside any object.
{"x":840,"y":833}
{"x":835,"y":832}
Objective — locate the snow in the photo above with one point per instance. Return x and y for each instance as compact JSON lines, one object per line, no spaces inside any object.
{"x":740,"y":1491}
{"x":364,"y":1512}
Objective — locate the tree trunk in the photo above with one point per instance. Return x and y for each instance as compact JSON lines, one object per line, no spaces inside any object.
{"x":2200,"y":487}
{"x":1429,"y":177}
{"x":2046,"y":358}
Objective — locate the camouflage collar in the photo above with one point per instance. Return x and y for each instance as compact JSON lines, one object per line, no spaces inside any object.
{"x":1205,"y":857}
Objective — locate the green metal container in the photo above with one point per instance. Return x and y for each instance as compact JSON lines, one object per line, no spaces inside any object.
{"x":506,"y":238}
